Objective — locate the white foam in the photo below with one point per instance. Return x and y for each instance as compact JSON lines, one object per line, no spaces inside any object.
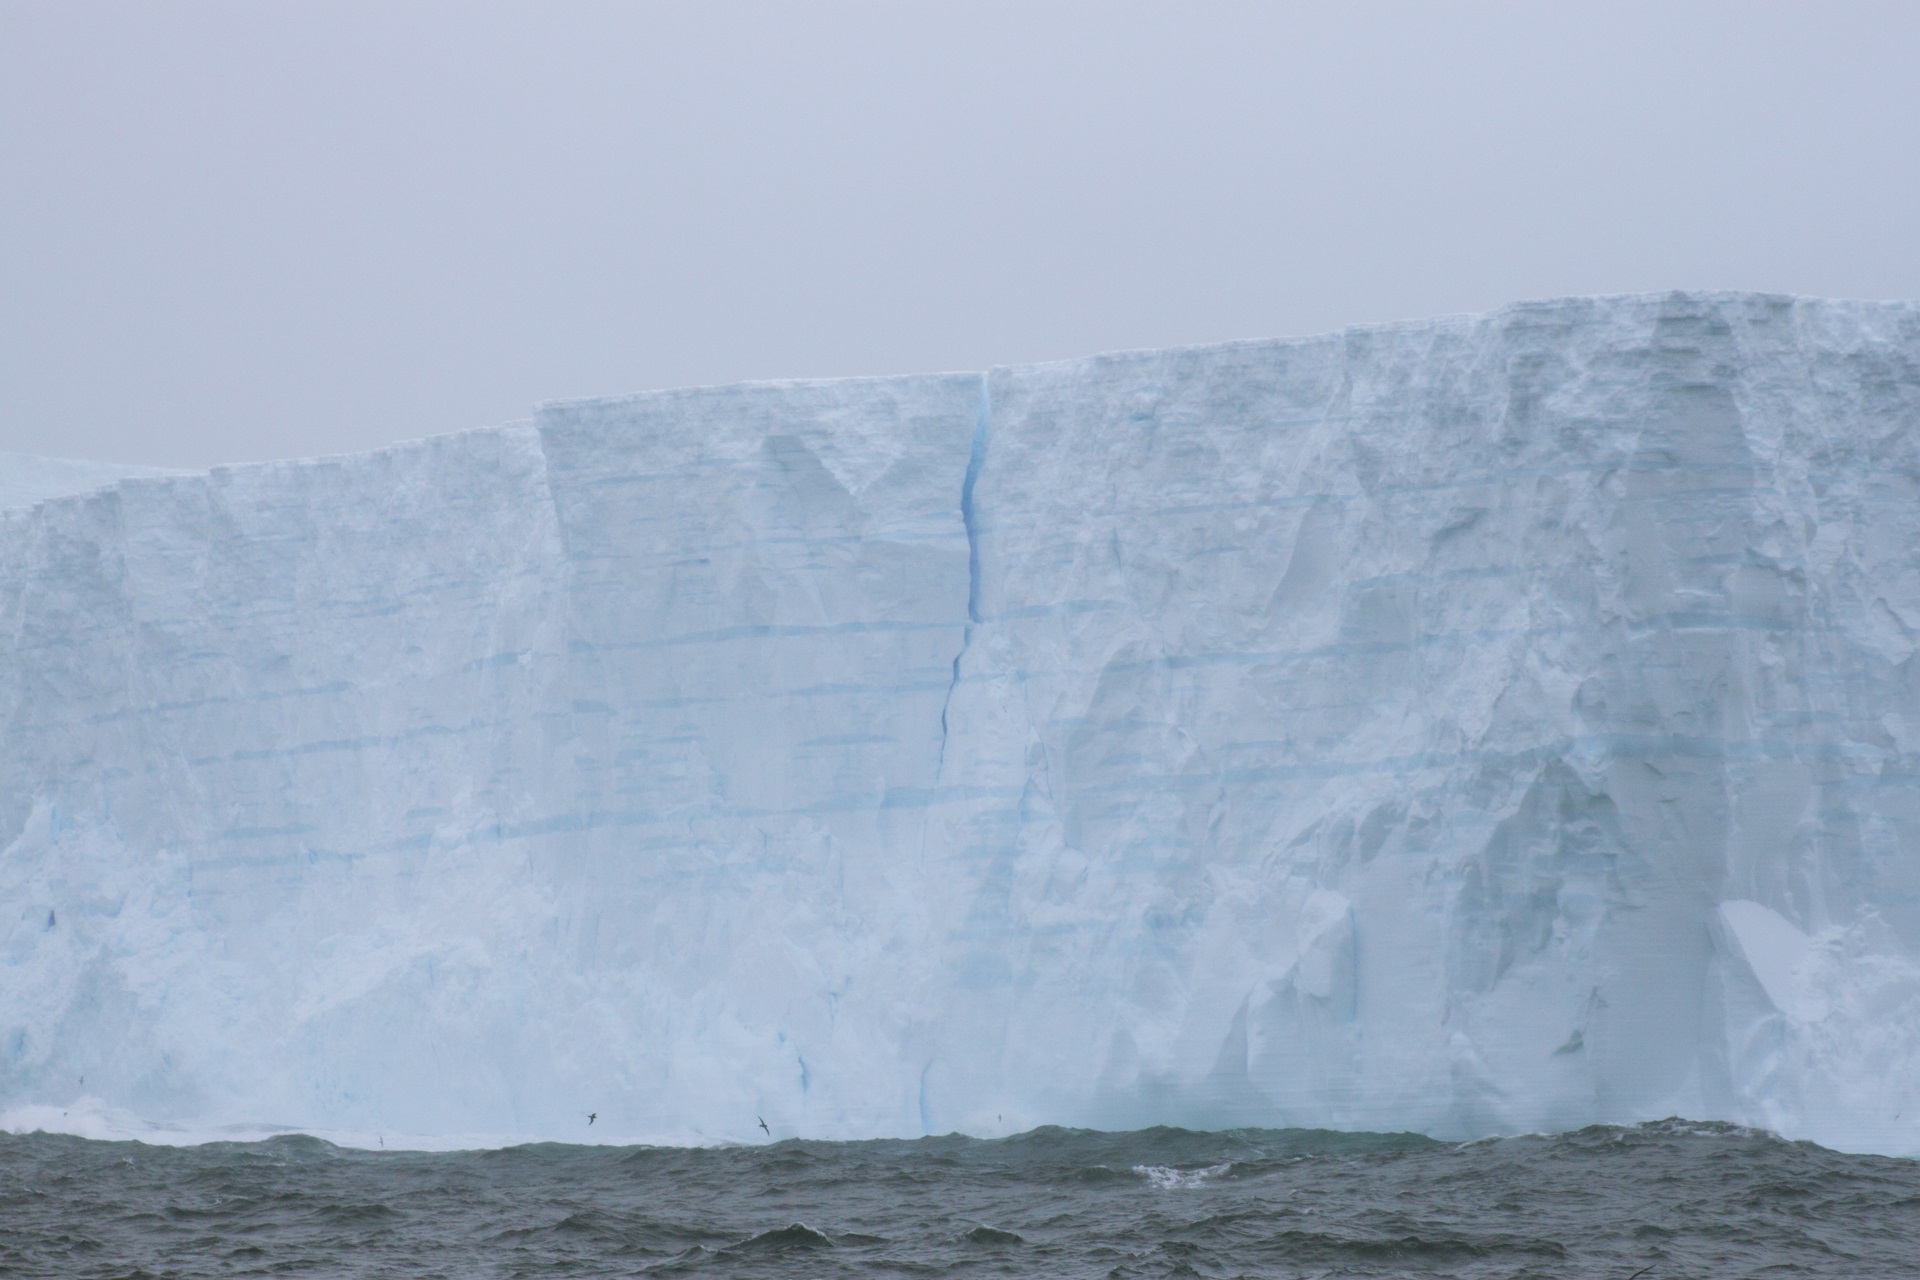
{"x":1167,"y":1178}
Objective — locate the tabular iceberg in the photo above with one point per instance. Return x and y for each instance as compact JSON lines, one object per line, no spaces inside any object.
{"x":1490,"y":724}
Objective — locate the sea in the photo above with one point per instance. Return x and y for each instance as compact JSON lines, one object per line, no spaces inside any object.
{"x":1653,"y":1202}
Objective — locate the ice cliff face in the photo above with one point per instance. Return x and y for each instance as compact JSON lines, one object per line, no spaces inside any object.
{"x":1498,"y":723}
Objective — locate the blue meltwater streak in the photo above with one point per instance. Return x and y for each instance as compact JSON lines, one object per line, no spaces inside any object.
{"x":969,"y":520}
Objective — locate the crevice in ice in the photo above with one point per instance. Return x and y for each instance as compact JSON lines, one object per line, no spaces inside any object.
{"x":976,"y":458}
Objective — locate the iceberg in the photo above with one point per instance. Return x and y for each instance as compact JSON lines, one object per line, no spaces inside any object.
{"x":1490,"y":724}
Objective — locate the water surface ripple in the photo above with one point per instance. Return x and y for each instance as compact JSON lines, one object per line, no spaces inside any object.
{"x":1677,"y":1198}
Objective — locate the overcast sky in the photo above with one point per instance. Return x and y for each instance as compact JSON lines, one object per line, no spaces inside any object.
{"x":242,"y":231}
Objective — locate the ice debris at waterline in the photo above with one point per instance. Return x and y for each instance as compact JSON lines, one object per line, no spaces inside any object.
{"x":1473,"y":726}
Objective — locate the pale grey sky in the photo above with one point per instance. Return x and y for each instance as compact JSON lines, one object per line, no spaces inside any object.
{"x":237,"y":231}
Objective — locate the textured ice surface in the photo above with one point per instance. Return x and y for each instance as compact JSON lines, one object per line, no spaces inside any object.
{"x":1496,"y":723}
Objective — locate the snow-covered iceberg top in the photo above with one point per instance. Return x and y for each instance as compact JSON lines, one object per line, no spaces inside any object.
{"x":1496,"y":723}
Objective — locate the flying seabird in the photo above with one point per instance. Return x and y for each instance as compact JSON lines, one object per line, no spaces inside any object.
{"x":763,"y":1125}
{"x":592,"y":1116}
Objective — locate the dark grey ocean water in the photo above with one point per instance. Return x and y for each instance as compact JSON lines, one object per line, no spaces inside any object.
{"x":1662,"y":1201}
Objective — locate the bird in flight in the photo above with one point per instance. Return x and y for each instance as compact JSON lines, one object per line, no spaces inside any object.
{"x":763,"y":1126}
{"x":592,"y":1116}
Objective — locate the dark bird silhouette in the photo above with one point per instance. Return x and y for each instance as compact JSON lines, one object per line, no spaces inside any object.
{"x":763,"y":1126}
{"x":592,"y":1116}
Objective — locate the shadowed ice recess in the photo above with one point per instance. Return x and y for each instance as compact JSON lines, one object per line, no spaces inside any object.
{"x":1492,"y":724}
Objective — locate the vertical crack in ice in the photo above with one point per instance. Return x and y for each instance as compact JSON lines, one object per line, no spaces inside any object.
{"x":976,"y":458}
{"x":539,"y":432}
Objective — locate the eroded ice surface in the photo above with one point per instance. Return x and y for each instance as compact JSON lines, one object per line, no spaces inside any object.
{"x":1488,"y":724}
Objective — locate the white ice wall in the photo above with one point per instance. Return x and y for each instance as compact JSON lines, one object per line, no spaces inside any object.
{"x":1496,"y":723}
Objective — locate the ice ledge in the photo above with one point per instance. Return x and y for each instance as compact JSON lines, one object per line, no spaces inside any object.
{"x":27,"y":479}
